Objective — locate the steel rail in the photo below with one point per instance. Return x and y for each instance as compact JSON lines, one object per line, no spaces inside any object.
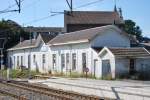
{"x":13,"y":95}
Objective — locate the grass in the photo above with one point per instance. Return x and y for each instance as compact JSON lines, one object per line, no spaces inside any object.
{"x":25,"y":74}
{"x":107,"y":77}
{"x":18,"y":73}
{"x":73,"y":75}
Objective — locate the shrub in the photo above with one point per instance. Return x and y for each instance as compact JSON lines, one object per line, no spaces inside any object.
{"x":72,"y":74}
{"x":22,"y":73}
{"x":3,"y":73}
{"x":107,"y":77}
{"x":57,"y":74}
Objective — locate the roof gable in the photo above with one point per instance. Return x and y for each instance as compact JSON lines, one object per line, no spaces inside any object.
{"x":24,"y":44}
{"x":42,"y":38}
{"x":83,"y":35}
{"x":128,"y":52}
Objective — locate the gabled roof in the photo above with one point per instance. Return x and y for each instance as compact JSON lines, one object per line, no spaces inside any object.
{"x":130,"y":52}
{"x":33,"y":43}
{"x":92,"y":17}
{"x":24,"y":44}
{"x":83,"y":35}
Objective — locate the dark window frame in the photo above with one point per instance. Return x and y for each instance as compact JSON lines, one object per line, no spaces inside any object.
{"x":54,"y":57}
{"x":84,"y":60}
{"x":67,"y":61}
{"x":43,"y":58}
{"x":74,"y":61}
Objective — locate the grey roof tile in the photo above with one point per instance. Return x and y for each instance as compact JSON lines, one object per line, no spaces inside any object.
{"x":130,"y":52}
{"x":86,"y":34}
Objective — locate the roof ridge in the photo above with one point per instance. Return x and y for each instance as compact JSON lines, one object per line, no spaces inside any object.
{"x":94,"y":11}
{"x":125,"y":47}
{"x":106,"y":26}
{"x":83,"y":33}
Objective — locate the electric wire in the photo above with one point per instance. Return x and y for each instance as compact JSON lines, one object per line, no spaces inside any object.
{"x":49,"y":16}
{"x":8,"y":9}
{"x":87,"y":4}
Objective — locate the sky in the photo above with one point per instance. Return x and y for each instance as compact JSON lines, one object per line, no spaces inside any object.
{"x":38,"y":12}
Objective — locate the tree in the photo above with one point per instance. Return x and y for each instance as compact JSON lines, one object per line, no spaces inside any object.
{"x":131,"y":28}
{"x":12,"y":31}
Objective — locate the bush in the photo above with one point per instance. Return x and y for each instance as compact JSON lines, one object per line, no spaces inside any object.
{"x":72,"y":74}
{"x":57,"y":74}
{"x":108,"y":77}
{"x":3,"y":73}
{"x":18,"y":73}
{"x":75,"y":75}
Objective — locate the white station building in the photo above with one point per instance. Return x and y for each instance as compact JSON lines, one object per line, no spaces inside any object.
{"x":102,"y":50}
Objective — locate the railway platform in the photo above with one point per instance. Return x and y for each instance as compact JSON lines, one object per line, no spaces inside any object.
{"x":120,"y":90}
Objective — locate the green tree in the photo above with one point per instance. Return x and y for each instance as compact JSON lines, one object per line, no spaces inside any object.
{"x":131,"y":28}
{"x":12,"y":31}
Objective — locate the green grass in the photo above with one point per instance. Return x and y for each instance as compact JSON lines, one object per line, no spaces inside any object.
{"x":73,"y":75}
{"x":18,"y":73}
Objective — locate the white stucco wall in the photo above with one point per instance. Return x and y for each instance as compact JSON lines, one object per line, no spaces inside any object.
{"x":76,"y":48}
{"x":111,"y":38}
{"x":91,"y":55}
{"x":38,"y":52}
{"x":96,"y":62}
{"x":108,"y":56}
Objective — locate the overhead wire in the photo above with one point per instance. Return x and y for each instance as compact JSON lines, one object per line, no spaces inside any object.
{"x":49,"y":16}
{"x":8,"y":9}
{"x":87,"y":4}
{"x":23,"y":8}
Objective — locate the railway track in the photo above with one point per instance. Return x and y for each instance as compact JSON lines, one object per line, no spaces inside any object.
{"x":21,"y":93}
{"x":54,"y":94}
{"x":5,"y":95}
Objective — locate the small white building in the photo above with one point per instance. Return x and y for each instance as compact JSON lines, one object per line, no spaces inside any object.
{"x":31,"y":54}
{"x":80,"y":50}
{"x":124,"y":61}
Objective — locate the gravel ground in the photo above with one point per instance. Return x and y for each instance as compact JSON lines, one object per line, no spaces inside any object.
{"x":20,"y":92}
{"x":5,"y":97}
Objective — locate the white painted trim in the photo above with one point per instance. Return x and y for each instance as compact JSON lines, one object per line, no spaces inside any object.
{"x":22,"y":48}
{"x":105,"y":48}
{"x":71,"y":42}
{"x":146,"y":50}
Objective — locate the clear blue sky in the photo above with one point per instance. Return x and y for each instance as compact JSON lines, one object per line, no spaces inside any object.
{"x":33,"y":10}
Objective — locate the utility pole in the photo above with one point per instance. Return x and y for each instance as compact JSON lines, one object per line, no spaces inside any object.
{"x":70,"y":4}
{"x":18,"y":3}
